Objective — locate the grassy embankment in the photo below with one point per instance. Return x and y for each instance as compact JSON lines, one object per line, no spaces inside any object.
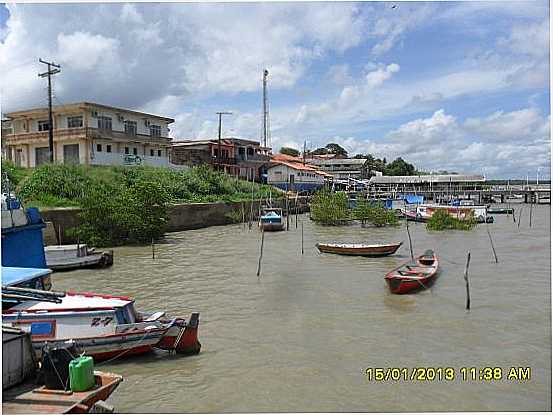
{"x":125,"y":204}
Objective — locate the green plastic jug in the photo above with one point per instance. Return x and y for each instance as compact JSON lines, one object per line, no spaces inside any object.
{"x":81,"y":374}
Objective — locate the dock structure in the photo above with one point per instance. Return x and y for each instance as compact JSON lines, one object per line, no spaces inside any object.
{"x":445,"y":187}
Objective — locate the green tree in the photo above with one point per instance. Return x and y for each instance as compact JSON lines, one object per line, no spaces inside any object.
{"x":399,"y":167}
{"x":330,"y":208}
{"x":331,"y":148}
{"x":289,"y":151}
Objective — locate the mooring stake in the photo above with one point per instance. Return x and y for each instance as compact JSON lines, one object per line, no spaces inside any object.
{"x":466,"y":277}
{"x":491,"y":242}
{"x":410,"y":243}
{"x":260,"y":252}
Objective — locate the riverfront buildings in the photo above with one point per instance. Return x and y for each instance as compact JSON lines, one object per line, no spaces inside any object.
{"x":238,"y":157}
{"x":291,"y":173}
{"x":342,"y":168}
{"x":86,"y":133}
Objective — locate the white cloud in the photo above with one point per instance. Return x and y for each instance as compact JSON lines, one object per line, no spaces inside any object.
{"x":83,"y":51}
{"x":377,"y":78}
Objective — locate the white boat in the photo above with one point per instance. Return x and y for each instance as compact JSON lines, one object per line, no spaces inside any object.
{"x":425,"y":211}
{"x":68,"y":257}
{"x":272,"y":219}
{"x":102,"y":326}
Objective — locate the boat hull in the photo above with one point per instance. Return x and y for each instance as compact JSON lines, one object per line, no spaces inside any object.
{"x":272,"y":227}
{"x":366,"y":250}
{"x":413,"y":276}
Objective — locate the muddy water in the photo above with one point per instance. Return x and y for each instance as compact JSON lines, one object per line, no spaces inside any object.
{"x":300,"y":337}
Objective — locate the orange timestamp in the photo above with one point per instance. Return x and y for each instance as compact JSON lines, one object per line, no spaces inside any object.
{"x":448,"y":374}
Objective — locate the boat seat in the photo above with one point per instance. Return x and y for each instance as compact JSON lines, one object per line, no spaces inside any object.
{"x":155,"y":316}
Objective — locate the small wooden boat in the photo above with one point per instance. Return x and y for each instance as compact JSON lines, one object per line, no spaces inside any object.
{"x":29,"y":398}
{"x":359,"y":249}
{"x":69,"y":257}
{"x":414,"y":275}
{"x":501,"y":210}
{"x":271,"y":219}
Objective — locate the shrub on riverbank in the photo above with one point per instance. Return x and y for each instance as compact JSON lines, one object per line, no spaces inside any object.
{"x":128,"y":204}
{"x":441,"y":220}
{"x":374,"y":213}
{"x":330,"y":208}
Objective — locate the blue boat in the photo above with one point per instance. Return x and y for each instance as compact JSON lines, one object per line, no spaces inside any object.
{"x":22,"y":244}
{"x":271,"y":219}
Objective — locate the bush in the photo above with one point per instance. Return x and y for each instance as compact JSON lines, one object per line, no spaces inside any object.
{"x":58,"y":180}
{"x":15,"y":175}
{"x":136,"y":214}
{"x":330,"y":208}
{"x":441,"y":220}
{"x":374,"y":213}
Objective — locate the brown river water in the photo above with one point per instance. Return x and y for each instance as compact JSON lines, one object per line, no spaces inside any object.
{"x":300,"y":337}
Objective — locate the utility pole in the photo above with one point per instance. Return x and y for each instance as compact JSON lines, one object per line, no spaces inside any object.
{"x":304,"y":144}
{"x":49,"y":74}
{"x":265,"y":111}
{"x":219,"y":157}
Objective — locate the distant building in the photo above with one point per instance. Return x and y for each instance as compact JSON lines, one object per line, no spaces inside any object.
{"x":86,"y":133}
{"x":342,"y":168}
{"x":239,"y":157}
{"x":436,"y":182}
{"x":291,"y":173}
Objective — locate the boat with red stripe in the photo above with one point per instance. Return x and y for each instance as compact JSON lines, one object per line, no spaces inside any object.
{"x":102,"y":326}
{"x":415,"y":275}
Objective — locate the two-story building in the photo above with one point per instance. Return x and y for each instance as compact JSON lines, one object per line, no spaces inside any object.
{"x":239,"y":157}
{"x":292,"y":173}
{"x":86,"y":133}
{"x":342,"y":168}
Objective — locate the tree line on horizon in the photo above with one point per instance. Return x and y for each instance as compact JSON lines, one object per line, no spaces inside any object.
{"x":398,"y":167}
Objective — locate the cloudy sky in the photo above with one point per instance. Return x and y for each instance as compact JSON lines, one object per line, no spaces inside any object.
{"x":462,"y":86}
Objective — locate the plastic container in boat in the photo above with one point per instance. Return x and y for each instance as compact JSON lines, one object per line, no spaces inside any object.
{"x":81,"y":374}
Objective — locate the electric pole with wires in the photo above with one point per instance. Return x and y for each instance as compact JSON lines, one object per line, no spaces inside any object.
{"x":219,"y":156}
{"x":49,"y":73}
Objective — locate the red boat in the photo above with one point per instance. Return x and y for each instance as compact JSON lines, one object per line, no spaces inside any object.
{"x":414,"y":275}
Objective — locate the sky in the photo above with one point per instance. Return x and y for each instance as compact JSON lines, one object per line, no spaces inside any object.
{"x":457,"y":86}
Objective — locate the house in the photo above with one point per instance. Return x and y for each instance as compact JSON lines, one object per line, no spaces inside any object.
{"x":87,"y":133}
{"x":342,"y":168}
{"x":291,"y":173}
{"x":239,"y":157}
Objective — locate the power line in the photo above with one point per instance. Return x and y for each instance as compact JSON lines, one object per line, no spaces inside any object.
{"x":49,"y":73}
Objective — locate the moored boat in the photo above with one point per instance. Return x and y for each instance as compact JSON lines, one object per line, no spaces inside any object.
{"x":271,"y":219}
{"x":102,"y":326}
{"x":501,"y":210}
{"x":422,"y":213}
{"x":376,"y":250}
{"x":413,"y":275}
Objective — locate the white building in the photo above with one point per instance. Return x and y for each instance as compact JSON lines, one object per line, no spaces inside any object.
{"x":290,"y":173}
{"x":87,"y":133}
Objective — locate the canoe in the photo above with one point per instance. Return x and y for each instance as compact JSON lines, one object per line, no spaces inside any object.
{"x":359,"y":249}
{"x":414,"y":275}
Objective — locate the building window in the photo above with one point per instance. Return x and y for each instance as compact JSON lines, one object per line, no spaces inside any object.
{"x":250,"y":151}
{"x":135,"y":151}
{"x":104,"y":123}
{"x":126,"y":150}
{"x":75,"y":122}
{"x":159,"y":153}
{"x":98,"y":147}
{"x":151,"y":152}
{"x":108,"y":148}
{"x":43,"y":126}
{"x":130,"y":127}
{"x":155,"y":130}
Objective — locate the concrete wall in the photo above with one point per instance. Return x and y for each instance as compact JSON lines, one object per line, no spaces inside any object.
{"x":181,"y":217}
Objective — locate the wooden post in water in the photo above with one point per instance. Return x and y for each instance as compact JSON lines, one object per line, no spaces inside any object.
{"x":302,"y":237}
{"x":531,"y":204}
{"x":519,"y":216}
{"x":153,"y":249}
{"x":491,"y":242}
{"x":251,"y":209}
{"x":296,"y":207}
{"x":410,"y":243}
{"x":243,"y":216}
{"x":260,"y":252}
{"x":466,"y":277}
